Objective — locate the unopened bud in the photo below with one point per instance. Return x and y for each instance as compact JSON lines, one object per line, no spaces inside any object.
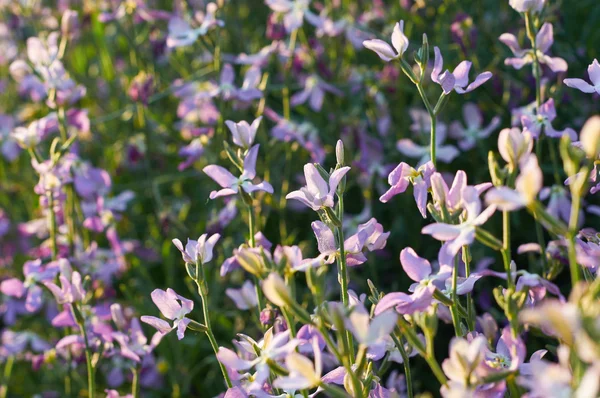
{"x":339,"y":153}
{"x":590,"y":137}
{"x":69,"y":24}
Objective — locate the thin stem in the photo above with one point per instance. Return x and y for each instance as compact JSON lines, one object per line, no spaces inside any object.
{"x":210,"y":335}
{"x":405,"y":360}
{"x":252,"y":242}
{"x":453,"y":308}
{"x":506,"y":247}
{"x":470,"y":304}
{"x":135,"y":385}
{"x":343,"y":270}
{"x":573,"y":225}
{"x":6,"y":376}
{"x":88,"y":360}
{"x":53,"y":227}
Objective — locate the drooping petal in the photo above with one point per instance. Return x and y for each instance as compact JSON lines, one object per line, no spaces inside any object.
{"x":381,"y":48}
{"x":580,"y":85}
{"x":441,"y":231}
{"x":166,"y":303}
{"x":220,"y":175}
{"x":416,"y":268}
{"x":159,"y":324}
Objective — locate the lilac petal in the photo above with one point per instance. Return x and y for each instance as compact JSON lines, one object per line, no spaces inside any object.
{"x":315,"y":183}
{"x":227,"y":75}
{"x":511,"y":41}
{"x":263,"y":186}
{"x":505,"y":199}
{"x":461,"y":73}
{"x":408,"y":148}
{"x":517,"y":63}
{"x":437,"y":65}
{"x":166,"y":303}
{"x":381,"y":48}
{"x":580,"y":85}
{"x":557,"y":64}
{"x":222,"y":192}
{"x":300,"y":195}
{"x":220,"y":175}
{"x":447,"y":81}
{"x":325,"y":239}
{"x":300,"y":97}
{"x":235,"y":392}
{"x":406,"y":304}
{"x":447,"y":153}
{"x":394,"y":190}
{"x":399,"y":40}
{"x":181,"y":327}
{"x":441,"y":231}
{"x":594,"y":72}
{"x":231,"y":360}
{"x":34,"y":301}
{"x":336,"y":376}
{"x":13,"y":287}
{"x":420,"y":195}
{"x":416,"y":268}
{"x":464,"y":285}
{"x":159,"y":324}
{"x":336,"y":177}
{"x":250,"y":162}
{"x":479,"y":80}
{"x":545,"y":37}
{"x":316,"y":99}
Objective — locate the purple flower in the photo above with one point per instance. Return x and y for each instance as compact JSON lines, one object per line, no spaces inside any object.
{"x":293,"y":12}
{"x":509,"y":355}
{"x":231,"y":184}
{"x":464,"y":360}
{"x":197,"y":250}
{"x":245,"y":297}
{"x":168,"y":302}
{"x":533,"y":124}
{"x":303,"y":374}
{"x":34,"y":273}
{"x":464,"y":233}
{"x":582,"y":85}
{"x":192,"y":152}
{"x":407,"y":304}
{"x":474,"y":130}
{"x":134,"y":344}
{"x":458,"y":80}
{"x":242,"y":132}
{"x":181,"y":34}
{"x":71,"y":290}
{"x":402,"y":176}
{"x":318,"y":193}
{"x":543,"y":40}
{"x":314,"y":92}
{"x":384,"y":50}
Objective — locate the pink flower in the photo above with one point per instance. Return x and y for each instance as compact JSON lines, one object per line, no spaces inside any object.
{"x":543,"y":40}
{"x":458,"y":80}
{"x":168,"y":302}
{"x":318,"y":193}
{"x":384,"y":50}
{"x":231,"y":184}
{"x":474,"y":129}
{"x":197,"y":250}
{"x":402,"y":176}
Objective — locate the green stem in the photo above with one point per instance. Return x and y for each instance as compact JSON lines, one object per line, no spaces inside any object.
{"x":506,"y":257}
{"x":209,"y":333}
{"x":53,"y":227}
{"x":405,"y":360}
{"x":6,"y":376}
{"x":453,"y":308}
{"x":343,"y":270}
{"x":470,"y":304}
{"x":135,"y":385}
{"x":88,"y":360}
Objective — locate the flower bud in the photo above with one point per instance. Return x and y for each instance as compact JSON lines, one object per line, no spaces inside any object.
{"x":514,"y":145}
{"x":118,"y":317}
{"x":339,"y":153}
{"x":527,"y":5}
{"x":69,"y":24}
{"x":141,"y":88}
{"x":251,"y":261}
{"x":590,"y":137}
{"x":276,"y":291}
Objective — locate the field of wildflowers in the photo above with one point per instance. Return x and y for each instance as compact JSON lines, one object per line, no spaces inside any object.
{"x":299,"y":198}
